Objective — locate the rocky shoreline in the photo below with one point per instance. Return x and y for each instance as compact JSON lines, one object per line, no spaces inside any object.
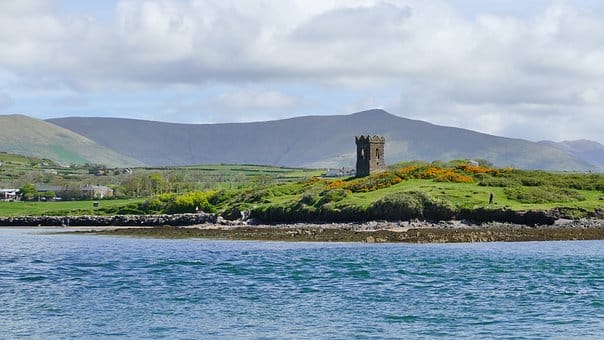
{"x":210,"y":226}
{"x":376,"y":232}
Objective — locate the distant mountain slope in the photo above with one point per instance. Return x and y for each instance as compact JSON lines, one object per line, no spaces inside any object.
{"x":32,"y":137}
{"x":319,"y":141}
{"x":589,"y":151}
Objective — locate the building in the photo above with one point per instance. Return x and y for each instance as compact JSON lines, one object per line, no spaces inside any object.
{"x":57,"y":189}
{"x":97,"y":191}
{"x":370,"y":155}
{"x":342,"y":172}
{"x":9,"y":194}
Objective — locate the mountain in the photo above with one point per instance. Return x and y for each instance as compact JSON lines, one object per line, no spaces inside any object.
{"x":589,"y":151}
{"x":32,"y":137}
{"x":311,"y":141}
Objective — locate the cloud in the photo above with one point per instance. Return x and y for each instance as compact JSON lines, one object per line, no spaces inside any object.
{"x":256,"y":99}
{"x":196,"y":42}
{"x":508,"y":72}
{"x":72,"y":101}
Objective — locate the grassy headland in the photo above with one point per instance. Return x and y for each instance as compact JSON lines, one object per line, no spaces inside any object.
{"x":412,"y":190}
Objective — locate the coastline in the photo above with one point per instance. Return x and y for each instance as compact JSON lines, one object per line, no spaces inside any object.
{"x":210,"y":226}
{"x":369,"y":232}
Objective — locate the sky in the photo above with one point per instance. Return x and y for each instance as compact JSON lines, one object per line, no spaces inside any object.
{"x":531,"y":69}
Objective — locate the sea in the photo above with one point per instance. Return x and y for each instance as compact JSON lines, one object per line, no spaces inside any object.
{"x":68,"y":286}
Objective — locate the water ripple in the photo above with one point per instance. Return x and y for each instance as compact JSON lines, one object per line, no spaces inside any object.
{"x":76,"y":286}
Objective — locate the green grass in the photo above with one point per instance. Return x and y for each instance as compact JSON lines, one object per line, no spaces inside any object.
{"x":581,"y":194}
{"x":471,"y":195}
{"x":263,"y":187}
{"x":61,"y":208}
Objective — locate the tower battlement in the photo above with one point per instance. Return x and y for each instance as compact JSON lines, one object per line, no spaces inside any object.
{"x":369,"y":139}
{"x":370,"y":154}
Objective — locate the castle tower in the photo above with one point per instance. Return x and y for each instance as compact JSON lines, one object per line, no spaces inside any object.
{"x":370,"y":155}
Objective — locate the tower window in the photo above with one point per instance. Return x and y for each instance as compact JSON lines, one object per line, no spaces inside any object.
{"x":377,"y":153}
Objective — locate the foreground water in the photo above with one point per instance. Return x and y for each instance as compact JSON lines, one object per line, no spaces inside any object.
{"x":87,"y":286}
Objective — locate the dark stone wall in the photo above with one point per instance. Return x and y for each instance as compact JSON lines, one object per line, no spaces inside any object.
{"x":120,"y":220}
{"x":370,"y":155}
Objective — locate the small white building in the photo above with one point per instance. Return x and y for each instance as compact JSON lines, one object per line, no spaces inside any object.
{"x":97,"y":191}
{"x":9,"y":194}
{"x":342,"y":172}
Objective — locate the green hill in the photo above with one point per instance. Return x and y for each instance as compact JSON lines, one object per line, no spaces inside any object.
{"x":32,"y":137}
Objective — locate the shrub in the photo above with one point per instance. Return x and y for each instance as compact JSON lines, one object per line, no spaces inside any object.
{"x":308,"y":199}
{"x":407,"y":172}
{"x":255,"y":196}
{"x":186,"y":203}
{"x":400,"y":205}
{"x":533,"y":181}
{"x":454,"y":178}
{"x":444,"y":175}
{"x":157,"y":203}
{"x":412,"y":204}
{"x":152,"y":205}
{"x":439,"y":210}
{"x":128,"y":210}
{"x":338,"y":183}
{"x":498,"y":182}
{"x":287,"y":189}
{"x":543,"y":194}
{"x":332,"y":195}
{"x":373,"y":182}
{"x":221,"y":197}
{"x":477,"y":169}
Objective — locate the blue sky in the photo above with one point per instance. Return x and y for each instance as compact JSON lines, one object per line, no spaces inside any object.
{"x":527,"y":69}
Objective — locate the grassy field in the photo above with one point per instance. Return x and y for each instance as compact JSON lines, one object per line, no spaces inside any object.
{"x":406,"y":190}
{"x":16,"y":171}
{"x":64,"y":208}
{"x":473,"y":196}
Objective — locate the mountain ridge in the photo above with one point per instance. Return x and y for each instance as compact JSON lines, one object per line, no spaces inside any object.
{"x":588,"y":150}
{"x":312,"y":141}
{"x":28,"y":136}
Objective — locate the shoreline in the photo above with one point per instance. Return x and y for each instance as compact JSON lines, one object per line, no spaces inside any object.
{"x":369,"y":232}
{"x":210,"y":226}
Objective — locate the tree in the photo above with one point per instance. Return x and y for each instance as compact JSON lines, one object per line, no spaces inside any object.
{"x":131,"y":186}
{"x":158,"y":184}
{"x":28,"y":192}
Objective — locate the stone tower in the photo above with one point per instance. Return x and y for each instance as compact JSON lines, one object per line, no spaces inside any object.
{"x":370,"y":155}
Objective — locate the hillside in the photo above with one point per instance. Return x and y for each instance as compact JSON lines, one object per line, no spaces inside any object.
{"x":32,"y":137}
{"x":589,"y":151}
{"x":311,"y":141}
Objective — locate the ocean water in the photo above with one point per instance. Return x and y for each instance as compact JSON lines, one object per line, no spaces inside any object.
{"x":87,"y":286}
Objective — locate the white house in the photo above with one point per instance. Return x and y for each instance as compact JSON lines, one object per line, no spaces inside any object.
{"x":9,"y":194}
{"x":97,"y":191}
{"x":342,"y":172}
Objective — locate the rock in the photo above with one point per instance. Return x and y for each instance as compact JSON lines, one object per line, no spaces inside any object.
{"x":119,"y":220}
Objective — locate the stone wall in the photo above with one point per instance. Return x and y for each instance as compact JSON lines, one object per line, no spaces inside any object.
{"x":121,"y":220}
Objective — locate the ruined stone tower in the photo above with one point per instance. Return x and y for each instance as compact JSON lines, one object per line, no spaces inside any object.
{"x":370,"y":155}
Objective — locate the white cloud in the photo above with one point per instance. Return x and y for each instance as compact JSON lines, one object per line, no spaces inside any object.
{"x":256,"y":99}
{"x":496,"y":73}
